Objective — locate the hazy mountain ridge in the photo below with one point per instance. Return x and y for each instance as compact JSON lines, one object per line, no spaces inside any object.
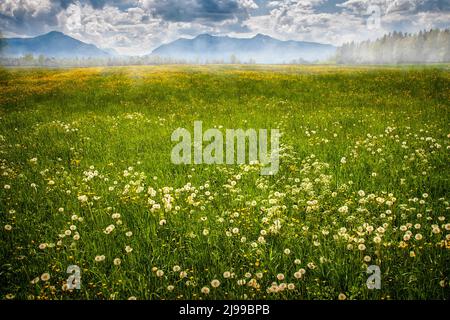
{"x":259,"y":49}
{"x":52,"y":44}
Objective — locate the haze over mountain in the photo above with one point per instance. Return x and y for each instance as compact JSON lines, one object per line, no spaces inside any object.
{"x":259,"y":49}
{"x":52,"y":44}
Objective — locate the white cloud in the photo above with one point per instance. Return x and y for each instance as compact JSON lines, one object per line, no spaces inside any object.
{"x":141,"y":25}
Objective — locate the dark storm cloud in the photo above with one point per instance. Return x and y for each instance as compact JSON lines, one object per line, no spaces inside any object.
{"x":190,"y":10}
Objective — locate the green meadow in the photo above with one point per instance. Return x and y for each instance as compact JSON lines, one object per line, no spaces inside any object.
{"x":87,"y":180}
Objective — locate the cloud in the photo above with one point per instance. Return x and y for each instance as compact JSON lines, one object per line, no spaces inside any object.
{"x":138,"y":26}
{"x":191,"y":10}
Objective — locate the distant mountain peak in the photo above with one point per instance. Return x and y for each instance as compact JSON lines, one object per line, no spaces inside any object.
{"x":54,"y":33}
{"x":51,"y":44}
{"x":262,"y":36}
{"x":260,"y":49}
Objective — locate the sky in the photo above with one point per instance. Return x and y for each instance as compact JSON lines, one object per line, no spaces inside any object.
{"x":136,"y":27}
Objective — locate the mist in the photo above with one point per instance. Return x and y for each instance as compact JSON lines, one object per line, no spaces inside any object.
{"x":398,"y":48}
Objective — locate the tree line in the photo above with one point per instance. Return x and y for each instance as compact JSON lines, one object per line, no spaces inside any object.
{"x":431,"y":46}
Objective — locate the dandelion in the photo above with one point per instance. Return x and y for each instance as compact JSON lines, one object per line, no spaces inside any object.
{"x":176,"y":268}
{"x":159,"y":273}
{"x":205,"y":232}
{"x":297,"y":275}
{"x":170,"y":288}
{"x":205,"y":290}
{"x":83,"y":198}
{"x":291,"y":286}
{"x":8,"y":227}
{"x":162,"y":222}
{"x":7,"y":187}
{"x":418,"y":237}
{"x":367,"y":259}
{"x":311,"y":265}
{"x":287,"y":252}
{"x":99,"y":258}
{"x":343,"y":209}
{"x":132,"y":298}
{"x":35,"y":280}
{"x":342,"y":296}
{"x":183,"y":274}
{"x":128,"y":249}
{"x":42,"y":246}
{"x":226,"y":274}
{"x":45,"y":276}
{"x":280,"y":276}
{"x":215,"y":283}
{"x":129,"y":233}
{"x":117,"y":261}
{"x":361,"y":247}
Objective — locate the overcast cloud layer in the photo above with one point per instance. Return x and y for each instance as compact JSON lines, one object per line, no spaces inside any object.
{"x":138,"y":26}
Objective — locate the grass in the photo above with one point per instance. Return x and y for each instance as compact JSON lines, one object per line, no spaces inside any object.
{"x":363,"y":181}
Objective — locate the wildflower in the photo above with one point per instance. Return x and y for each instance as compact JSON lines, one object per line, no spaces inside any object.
{"x":99,"y":258}
{"x":128,"y":249}
{"x":117,"y":261}
{"x":8,"y":227}
{"x":226,"y":274}
{"x":280,"y":276}
{"x":342,"y":296}
{"x":205,"y":290}
{"x":159,"y":273}
{"x":176,"y":268}
{"x":343,"y":209}
{"x":45,"y":276}
{"x":83,"y":198}
{"x":215,"y":283}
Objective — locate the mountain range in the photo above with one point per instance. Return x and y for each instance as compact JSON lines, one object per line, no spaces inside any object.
{"x":52,"y":44}
{"x":203,"y":48}
{"x":259,"y":49}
